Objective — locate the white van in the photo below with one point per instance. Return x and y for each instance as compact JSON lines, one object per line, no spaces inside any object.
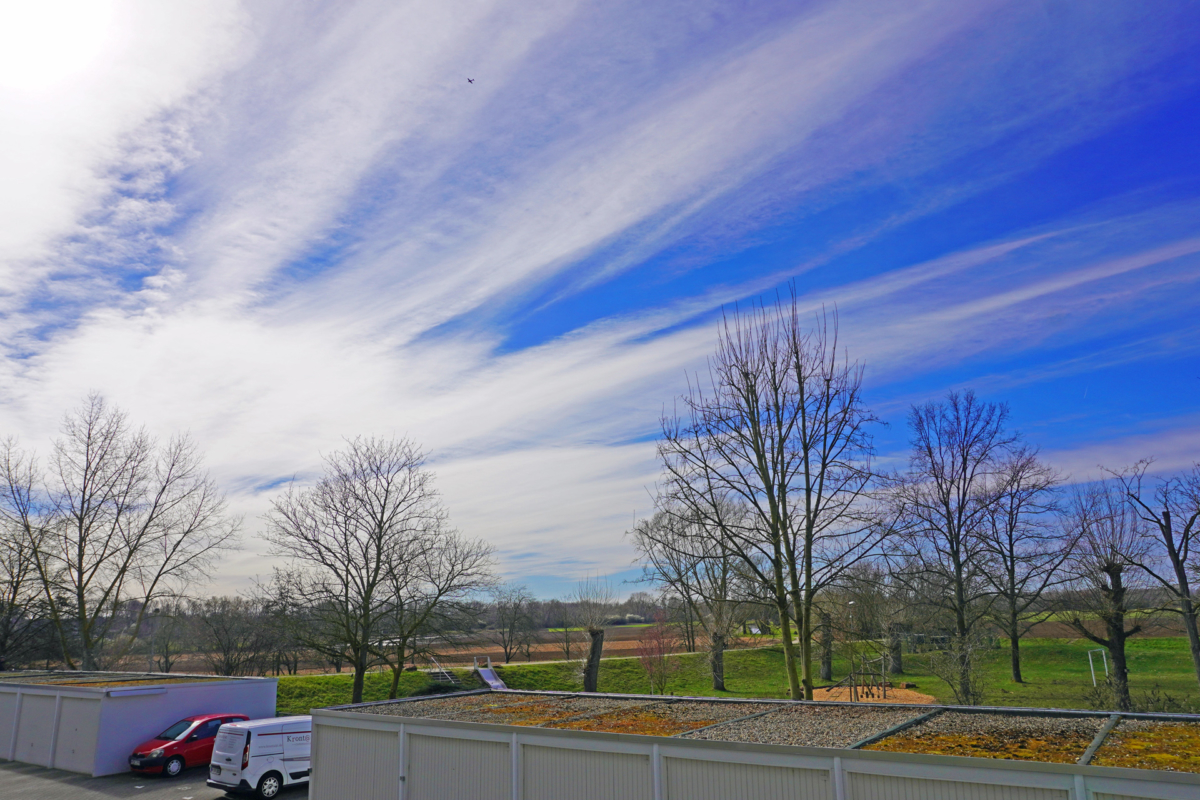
{"x":262,"y":755}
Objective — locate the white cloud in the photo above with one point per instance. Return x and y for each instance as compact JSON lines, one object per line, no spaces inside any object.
{"x":1173,"y":444}
{"x":267,"y":132}
{"x":78,"y":80}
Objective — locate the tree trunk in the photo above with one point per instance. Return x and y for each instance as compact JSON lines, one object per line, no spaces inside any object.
{"x":1189,"y":624}
{"x":360,"y":672}
{"x":895,"y":651}
{"x":802,"y":607}
{"x":716,"y":660}
{"x":1119,"y":680}
{"x":1014,"y":649}
{"x":826,"y":647}
{"x":966,"y":695}
{"x":591,"y":669}
{"x":789,"y":652}
{"x":397,"y":668}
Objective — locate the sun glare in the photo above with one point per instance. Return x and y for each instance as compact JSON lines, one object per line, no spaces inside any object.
{"x":48,"y":43}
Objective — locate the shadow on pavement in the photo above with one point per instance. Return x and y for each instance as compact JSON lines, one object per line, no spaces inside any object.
{"x":29,"y":782}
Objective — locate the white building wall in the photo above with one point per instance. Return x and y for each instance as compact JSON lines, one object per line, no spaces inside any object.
{"x":94,"y":729}
{"x":128,"y":720}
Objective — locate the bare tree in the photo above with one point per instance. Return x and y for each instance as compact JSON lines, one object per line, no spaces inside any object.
{"x":783,"y":432}
{"x":371,"y":513}
{"x":22,"y":610}
{"x":1026,"y":545}
{"x":233,"y":636}
{"x":656,"y":644}
{"x":118,"y":519}
{"x":562,"y":617}
{"x":1112,"y":542}
{"x":944,"y":500}
{"x":593,"y":601}
{"x":833,"y":528}
{"x":512,"y":627}
{"x":695,"y":563}
{"x":1171,"y":510}
{"x":168,"y":629}
{"x":430,"y":586}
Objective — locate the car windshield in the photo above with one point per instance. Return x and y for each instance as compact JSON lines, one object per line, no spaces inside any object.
{"x":177,"y":730}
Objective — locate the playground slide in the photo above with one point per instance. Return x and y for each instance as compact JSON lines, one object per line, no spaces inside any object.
{"x":490,"y":677}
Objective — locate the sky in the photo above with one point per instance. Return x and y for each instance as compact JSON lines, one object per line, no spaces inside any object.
{"x":507,"y":231}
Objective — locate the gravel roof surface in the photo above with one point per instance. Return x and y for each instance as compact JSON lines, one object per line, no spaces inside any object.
{"x":663,"y":718}
{"x":810,"y":726}
{"x":444,"y":707}
{"x":1014,"y":736}
{"x":545,"y":711}
{"x":1023,"y":738}
{"x":101,"y":679}
{"x":503,"y":708}
{"x":1149,"y":744}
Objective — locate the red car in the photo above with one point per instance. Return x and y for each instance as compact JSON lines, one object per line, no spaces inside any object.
{"x":187,"y":743}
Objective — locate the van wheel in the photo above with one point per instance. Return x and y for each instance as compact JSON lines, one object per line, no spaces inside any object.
{"x":270,"y":784}
{"x":173,"y":767}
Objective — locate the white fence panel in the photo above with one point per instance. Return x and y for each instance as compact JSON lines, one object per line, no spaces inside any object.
{"x":363,"y":764}
{"x":693,"y":779}
{"x":440,"y":768}
{"x":447,"y":760}
{"x":554,"y":773}
{"x":861,"y":786}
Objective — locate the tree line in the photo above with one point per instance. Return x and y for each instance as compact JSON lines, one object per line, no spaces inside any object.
{"x":772,"y":508}
{"x":103,"y":547}
{"x":771,"y":493}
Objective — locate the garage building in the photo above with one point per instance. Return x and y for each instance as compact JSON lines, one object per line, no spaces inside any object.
{"x":89,"y":722}
{"x":513,"y":745}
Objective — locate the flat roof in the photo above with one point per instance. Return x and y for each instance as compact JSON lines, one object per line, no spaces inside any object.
{"x":105,"y":680}
{"x":1046,"y":735}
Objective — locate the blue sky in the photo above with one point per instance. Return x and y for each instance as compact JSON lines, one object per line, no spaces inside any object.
{"x":278,"y":224}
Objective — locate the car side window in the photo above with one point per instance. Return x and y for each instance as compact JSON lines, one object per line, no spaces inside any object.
{"x":208,"y":729}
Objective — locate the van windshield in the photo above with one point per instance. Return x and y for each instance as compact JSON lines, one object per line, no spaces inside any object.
{"x":177,"y":730}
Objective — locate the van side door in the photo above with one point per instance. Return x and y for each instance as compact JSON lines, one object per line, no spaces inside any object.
{"x":297,"y":746}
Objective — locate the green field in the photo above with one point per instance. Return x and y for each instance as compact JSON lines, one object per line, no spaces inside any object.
{"x":297,"y":694}
{"x":1055,"y":671}
{"x":1056,"y":675}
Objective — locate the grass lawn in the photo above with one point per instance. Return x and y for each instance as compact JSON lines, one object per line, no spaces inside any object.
{"x":1055,"y":671}
{"x":297,"y":694}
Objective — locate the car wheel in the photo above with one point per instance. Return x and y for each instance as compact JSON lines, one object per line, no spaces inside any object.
{"x":270,"y":785}
{"x":173,"y":767}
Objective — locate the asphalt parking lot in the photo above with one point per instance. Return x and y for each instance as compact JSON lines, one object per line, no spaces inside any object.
{"x":27,"y":782}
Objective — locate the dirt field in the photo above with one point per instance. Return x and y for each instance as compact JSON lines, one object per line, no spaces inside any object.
{"x":619,"y":641}
{"x":842,"y":693}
